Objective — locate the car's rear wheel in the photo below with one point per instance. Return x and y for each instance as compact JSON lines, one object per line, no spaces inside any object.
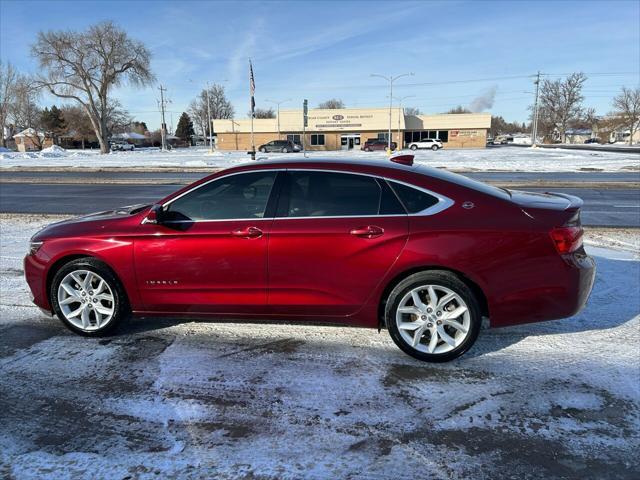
{"x":367,"y":149}
{"x":88,"y":298}
{"x":263,"y":150}
{"x":433,"y":316}
{"x":413,"y":147}
{"x":434,"y":148}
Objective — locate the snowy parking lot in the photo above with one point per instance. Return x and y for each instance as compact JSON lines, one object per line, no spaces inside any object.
{"x":214,"y":399}
{"x":487,"y":159}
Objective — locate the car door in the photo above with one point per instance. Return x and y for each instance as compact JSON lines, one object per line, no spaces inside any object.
{"x":208,"y":252}
{"x":335,"y":236}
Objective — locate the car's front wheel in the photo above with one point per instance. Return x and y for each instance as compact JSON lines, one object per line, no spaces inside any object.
{"x":434,"y":148}
{"x":285,"y":150}
{"x":263,"y":150}
{"x":88,"y":297}
{"x":433,"y":316}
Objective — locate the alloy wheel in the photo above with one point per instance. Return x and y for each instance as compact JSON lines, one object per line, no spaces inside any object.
{"x":86,"y":300}
{"x":433,"y":319}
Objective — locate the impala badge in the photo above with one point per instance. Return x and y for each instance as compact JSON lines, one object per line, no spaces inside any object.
{"x":468,"y":205}
{"x":162,"y":282}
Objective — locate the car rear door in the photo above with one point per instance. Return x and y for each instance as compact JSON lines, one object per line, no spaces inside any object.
{"x":334,"y":238}
{"x":208,"y":254}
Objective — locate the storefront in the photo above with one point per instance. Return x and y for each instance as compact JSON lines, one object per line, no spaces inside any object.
{"x":347,"y":129}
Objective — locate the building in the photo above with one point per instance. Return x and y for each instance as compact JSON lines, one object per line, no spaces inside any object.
{"x":29,"y":140}
{"x":349,"y":128}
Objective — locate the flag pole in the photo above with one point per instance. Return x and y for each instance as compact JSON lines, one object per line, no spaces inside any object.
{"x":252,"y":90}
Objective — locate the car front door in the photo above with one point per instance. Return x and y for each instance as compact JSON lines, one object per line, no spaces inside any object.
{"x":334,"y":238}
{"x":208,"y":252}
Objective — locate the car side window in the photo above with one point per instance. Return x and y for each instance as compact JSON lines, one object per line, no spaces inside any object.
{"x":241,"y":196}
{"x":328,"y":194}
{"x":413,"y":199}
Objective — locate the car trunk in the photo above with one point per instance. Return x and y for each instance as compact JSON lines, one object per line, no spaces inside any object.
{"x":553,"y":209}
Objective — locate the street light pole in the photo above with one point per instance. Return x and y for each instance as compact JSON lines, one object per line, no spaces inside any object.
{"x":400,"y":112}
{"x":277,"y":103}
{"x":390,"y":79}
{"x":534,"y":126}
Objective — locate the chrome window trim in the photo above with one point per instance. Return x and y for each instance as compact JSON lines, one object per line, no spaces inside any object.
{"x":443,"y":201}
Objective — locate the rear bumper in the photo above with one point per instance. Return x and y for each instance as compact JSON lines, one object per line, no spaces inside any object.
{"x":563,"y":293}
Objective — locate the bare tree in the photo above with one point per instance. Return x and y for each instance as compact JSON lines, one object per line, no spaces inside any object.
{"x":561,"y":101}
{"x":8,"y":80}
{"x":24,"y":111}
{"x":627,"y":109}
{"x":332,"y":104}
{"x":221,"y":107}
{"x":85,"y":66}
{"x":457,"y":110}
{"x":412,"y":111}
{"x":264,"y":113}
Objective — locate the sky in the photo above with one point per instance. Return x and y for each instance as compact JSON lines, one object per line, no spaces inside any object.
{"x":458,"y":51}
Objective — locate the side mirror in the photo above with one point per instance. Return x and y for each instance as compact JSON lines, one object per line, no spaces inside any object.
{"x":154,"y":215}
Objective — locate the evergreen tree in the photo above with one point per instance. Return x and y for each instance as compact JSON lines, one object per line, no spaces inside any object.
{"x":184,"y":130}
{"x":53,"y":122}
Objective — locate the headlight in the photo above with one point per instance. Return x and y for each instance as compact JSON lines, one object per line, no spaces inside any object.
{"x":34,"y":247}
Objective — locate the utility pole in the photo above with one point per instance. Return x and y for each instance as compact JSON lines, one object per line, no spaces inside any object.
{"x":163,"y":127}
{"x":400,"y":113}
{"x":534,"y":123}
{"x":390,"y":79}
{"x":277,"y":103}
{"x":305,"y":121}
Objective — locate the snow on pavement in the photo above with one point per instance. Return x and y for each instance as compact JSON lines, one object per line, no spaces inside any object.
{"x":497,"y":158}
{"x":204,"y":399}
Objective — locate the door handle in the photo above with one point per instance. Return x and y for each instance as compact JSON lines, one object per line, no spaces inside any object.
{"x":247,"y":232}
{"x":370,"y":231}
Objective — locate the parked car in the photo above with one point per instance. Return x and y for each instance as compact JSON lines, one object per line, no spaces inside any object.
{"x":284,"y":146}
{"x":377,"y":144}
{"x":420,"y":251}
{"x":592,"y":140}
{"x":432,"y":143}
{"x":121,"y":145}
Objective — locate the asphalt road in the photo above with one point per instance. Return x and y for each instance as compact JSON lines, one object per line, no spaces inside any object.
{"x":616,"y":205}
{"x":530,"y":178}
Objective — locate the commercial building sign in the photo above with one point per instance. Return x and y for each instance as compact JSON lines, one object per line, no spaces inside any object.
{"x":333,"y":122}
{"x":463,"y":133}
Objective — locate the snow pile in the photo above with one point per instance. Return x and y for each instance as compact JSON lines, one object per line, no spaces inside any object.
{"x":54,"y":151}
{"x":489,"y":159}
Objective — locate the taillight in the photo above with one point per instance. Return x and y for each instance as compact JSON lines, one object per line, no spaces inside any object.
{"x":567,"y":239}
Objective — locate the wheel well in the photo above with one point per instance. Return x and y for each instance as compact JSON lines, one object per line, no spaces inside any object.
{"x":69,"y":258}
{"x":477,"y":291}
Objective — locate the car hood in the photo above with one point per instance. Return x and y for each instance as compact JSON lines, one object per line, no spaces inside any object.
{"x":93,"y":222}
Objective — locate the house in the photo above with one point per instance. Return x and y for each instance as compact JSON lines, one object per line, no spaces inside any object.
{"x":621,"y":135}
{"x":29,"y":140}
{"x":578,"y":135}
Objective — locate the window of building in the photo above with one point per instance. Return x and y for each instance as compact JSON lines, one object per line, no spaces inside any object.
{"x":421,"y":135}
{"x":443,"y":135}
{"x":317,"y":139}
{"x":295,"y":138}
{"x":383,"y":136}
{"x":328,"y":194}
{"x":236,"y":196}
{"x":414,"y":200}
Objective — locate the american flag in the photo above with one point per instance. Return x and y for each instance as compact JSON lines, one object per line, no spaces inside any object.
{"x":252,"y":88}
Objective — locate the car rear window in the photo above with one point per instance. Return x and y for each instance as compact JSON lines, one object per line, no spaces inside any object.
{"x":414,"y":200}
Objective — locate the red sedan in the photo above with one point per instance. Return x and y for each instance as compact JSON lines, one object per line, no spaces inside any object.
{"x":422,"y":252}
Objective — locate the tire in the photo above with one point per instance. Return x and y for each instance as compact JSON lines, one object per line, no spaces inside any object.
{"x":414,"y":147}
{"x":263,"y":150}
{"x":434,"y":148}
{"x":367,"y":149}
{"x":427,"y":322}
{"x":88,"y":324}
{"x":285,"y":150}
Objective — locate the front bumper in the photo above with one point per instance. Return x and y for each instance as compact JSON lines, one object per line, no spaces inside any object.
{"x":35,"y":276}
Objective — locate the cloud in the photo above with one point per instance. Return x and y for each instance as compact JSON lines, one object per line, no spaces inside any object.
{"x":484,"y":101}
